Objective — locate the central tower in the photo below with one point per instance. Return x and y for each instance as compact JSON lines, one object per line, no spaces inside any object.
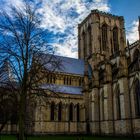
{"x":101,"y":34}
{"x":102,"y":45}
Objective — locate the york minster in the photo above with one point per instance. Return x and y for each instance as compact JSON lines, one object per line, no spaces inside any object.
{"x":98,"y":93}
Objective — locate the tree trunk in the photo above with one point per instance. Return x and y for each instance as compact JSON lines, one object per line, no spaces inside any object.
{"x":22,"y":116}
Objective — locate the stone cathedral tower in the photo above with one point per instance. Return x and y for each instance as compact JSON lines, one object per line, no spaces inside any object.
{"x":102,"y":45}
{"x":102,"y":35}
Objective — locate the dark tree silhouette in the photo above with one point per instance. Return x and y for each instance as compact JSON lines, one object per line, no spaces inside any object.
{"x":25,"y":55}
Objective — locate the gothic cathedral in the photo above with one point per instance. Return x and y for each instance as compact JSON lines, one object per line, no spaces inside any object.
{"x":112,"y":93}
{"x":99,"y":93}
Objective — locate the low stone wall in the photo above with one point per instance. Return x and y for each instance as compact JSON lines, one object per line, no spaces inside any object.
{"x":59,"y":127}
{"x":136,"y":126}
{"x":123,"y":127}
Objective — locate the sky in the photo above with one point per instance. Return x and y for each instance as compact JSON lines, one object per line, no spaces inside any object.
{"x":61,"y":17}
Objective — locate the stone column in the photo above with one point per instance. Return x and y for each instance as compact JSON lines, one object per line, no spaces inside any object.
{"x":87,"y":42}
{"x":94,"y":103}
{"x":79,"y":42}
{"x":108,"y":101}
{"x":82,"y":46}
{"x":124,"y":94}
{"x":125,"y":105}
{"x":108,"y":109}
{"x":109,"y":43}
{"x":95,"y":27}
{"x":95,"y":112}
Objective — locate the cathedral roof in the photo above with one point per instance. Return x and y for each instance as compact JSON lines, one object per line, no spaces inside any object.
{"x":66,"y":64}
{"x":62,"y":88}
{"x":71,"y":65}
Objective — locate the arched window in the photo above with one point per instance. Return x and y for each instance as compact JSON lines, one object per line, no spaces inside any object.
{"x":115,"y":71}
{"x":52,"y":111}
{"x":137,"y":99}
{"x":64,"y":80}
{"x":78,"y":113}
{"x":118,"y":103}
{"x":60,"y":111}
{"x":54,"y":79}
{"x":104,"y":37}
{"x":90,"y":40}
{"x":84,"y":44}
{"x":136,"y":61}
{"x":71,"y":112}
{"x":80,"y":82}
{"x":67,"y":80}
{"x":115,"y":39}
{"x":70,"y":80}
{"x":50,"y":79}
{"x":101,"y":75}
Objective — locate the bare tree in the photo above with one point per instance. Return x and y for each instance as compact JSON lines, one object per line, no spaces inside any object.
{"x":23,"y":46}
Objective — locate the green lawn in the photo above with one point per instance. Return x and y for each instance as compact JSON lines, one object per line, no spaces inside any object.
{"x":9,"y":137}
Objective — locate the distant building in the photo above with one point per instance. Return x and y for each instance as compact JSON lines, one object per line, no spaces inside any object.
{"x":99,"y":93}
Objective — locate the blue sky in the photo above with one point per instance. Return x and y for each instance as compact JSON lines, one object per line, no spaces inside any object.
{"x":60,"y":19}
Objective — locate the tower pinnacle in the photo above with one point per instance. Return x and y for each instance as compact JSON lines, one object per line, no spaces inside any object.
{"x":139,"y":27}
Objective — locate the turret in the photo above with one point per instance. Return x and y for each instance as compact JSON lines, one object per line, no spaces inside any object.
{"x":139,"y":28}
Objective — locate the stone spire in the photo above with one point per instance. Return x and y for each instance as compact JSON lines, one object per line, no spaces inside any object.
{"x":128,"y":44}
{"x":139,"y":27}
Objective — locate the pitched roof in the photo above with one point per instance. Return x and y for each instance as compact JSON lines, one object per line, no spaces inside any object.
{"x":72,"y":65}
{"x":65,"y":64}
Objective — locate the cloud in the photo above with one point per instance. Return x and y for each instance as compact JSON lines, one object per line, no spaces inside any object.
{"x":62,"y":17}
{"x":5,"y":4}
{"x":132,"y":34}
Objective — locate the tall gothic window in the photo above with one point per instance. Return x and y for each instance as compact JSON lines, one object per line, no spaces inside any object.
{"x":84,"y":44}
{"x":78,"y":113}
{"x":67,"y":80}
{"x":104,"y":37}
{"x":71,"y":112}
{"x":118,"y":103}
{"x":115,"y":39}
{"x":70,"y":81}
{"x":64,"y":80}
{"x":51,"y":79}
{"x":90,"y":40}
{"x":137,"y":93}
{"x":60,"y":111}
{"x":54,"y":79}
{"x":136,"y":60}
{"x":52,"y":111}
{"x":80,"y":82}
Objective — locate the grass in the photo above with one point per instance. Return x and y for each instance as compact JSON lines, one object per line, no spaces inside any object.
{"x":59,"y":137}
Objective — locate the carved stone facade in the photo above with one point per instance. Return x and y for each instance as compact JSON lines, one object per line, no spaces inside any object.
{"x":101,"y":93}
{"x":114,"y":94}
